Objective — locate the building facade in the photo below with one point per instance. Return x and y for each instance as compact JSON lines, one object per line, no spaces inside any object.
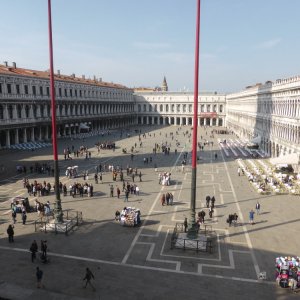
{"x":268,"y":112}
{"x":177,"y":108}
{"x":25,"y":107}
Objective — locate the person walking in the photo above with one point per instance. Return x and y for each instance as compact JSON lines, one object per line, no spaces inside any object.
{"x":257,"y":207}
{"x":39,"y":277}
{"x":251,"y":217}
{"x":10,"y":233}
{"x":185,"y":224}
{"x":24,"y":217}
{"x":239,"y":171}
{"x":140,"y":176}
{"x":88,"y":277}
{"x":33,"y":249}
{"x":126,"y":196}
{"x":118,"y":192}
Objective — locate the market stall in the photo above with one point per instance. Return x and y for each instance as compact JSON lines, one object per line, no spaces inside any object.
{"x":129,"y":216}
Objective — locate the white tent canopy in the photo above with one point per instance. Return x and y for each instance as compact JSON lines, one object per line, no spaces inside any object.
{"x":256,"y":140}
{"x":83,"y":126}
{"x":289,"y":159}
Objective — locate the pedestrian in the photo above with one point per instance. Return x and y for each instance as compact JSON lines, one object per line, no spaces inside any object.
{"x":118,"y":192}
{"x":10,"y":233}
{"x":140,"y":176}
{"x":211,"y":211}
{"x":39,"y":277}
{"x":133,"y":177}
{"x":257,"y":207}
{"x":111,"y":190}
{"x":88,"y":276}
{"x":137,"y":190}
{"x":14,"y":216}
{"x":239,"y":171}
{"x":213,"y":200}
{"x":251,"y":217}
{"x":185,"y":224}
{"x":33,"y":249}
{"x":24,"y":217}
{"x":44,"y":249}
{"x":207,"y":201}
{"x":100,"y":177}
{"x":126,"y":195}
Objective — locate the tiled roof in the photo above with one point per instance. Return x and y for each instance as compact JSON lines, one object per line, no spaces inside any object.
{"x":10,"y":70}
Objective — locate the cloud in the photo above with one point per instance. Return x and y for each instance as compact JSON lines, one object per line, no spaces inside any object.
{"x":269,"y":43}
{"x":151,"y":46}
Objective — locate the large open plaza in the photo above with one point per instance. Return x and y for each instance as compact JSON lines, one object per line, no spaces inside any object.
{"x":138,"y":262}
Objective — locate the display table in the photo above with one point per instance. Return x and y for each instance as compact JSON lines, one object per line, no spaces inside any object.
{"x":130,"y":216}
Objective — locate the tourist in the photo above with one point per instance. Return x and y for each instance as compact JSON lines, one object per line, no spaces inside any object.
{"x":251,"y":217}
{"x":88,"y":277}
{"x":39,"y":277}
{"x":257,"y":207}
{"x":33,"y":250}
{"x":10,"y":233}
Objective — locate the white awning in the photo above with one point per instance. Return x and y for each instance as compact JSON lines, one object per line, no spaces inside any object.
{"x":66,"y":125}
{"x":83,"y":126}
{"x":289,"y":159}
{"x":256,"y":140}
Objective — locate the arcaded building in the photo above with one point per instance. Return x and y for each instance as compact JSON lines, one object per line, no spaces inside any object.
{"x":269,"y":114}
{"x":82,"y":103}
{"x":161,"y":107}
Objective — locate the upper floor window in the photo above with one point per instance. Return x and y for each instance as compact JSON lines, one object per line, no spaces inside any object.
{"x":9,"y":88}
{"x":178,"y":107}
{"x":202,"y":107}
{"x":1,"y":112}
{"x":190,"y":107}
{"x":0,"y":88}
{"x":184,"y":107}
{"x":145,"y":107}
{"x":71,"y":92}
{"x":10,"y":112}
{"x":48,"y":91}
{"x":155,"y":107}
{"x":161,"y":107}
{"x":221,"y":108}
{"x":41,"y":91}
{"x":215,"y":108}
{"x":167,"y":108}
{"x":172,"y":107}
{"x":26,"y":111}
{"x":150,"y":107}
{"x":26,"y":89}
{"x":208,"y":108}
{"x":19,"y":111}
{"x":59,"y":92}
{"x":139,"y":108}
{"x":33,"y":90}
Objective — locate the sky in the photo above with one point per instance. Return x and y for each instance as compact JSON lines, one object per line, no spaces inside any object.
{"x":138,"y":42}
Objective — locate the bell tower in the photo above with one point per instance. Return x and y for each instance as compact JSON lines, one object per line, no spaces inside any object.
{"x":164,"y":86}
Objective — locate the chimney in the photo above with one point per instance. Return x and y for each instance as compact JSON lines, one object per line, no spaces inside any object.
{"x":14,"y":65}
{"x":5,"y":63}
{"x":83,"y":76}
{"x":58,"y":72}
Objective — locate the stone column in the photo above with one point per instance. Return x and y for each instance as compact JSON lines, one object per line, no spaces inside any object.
{"x":40,"y":133}
{"x":32,"y":134}
{"x":17,"y":136}
{"x":7,"y":138}
{"x":24,"y":135}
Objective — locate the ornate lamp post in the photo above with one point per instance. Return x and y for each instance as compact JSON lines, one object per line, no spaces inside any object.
{"x":57,"y":208}
{"x":192,"y":232}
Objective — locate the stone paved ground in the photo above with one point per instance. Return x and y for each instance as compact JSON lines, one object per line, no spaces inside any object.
{"x":137,"y":263}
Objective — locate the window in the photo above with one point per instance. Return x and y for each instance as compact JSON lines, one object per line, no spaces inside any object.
{"x":161,"y":107}
{"x":41,"y":91}
{"x":34,"y":90}
{"x":80,"y":93}
{"x":48,"y":91}
{"x":221,"y":108}
{"x":19,"y":111}
{"x":0,"y":88}
{"x":1,"y":112}
{"x":145,"y":107}
{"x":139,"y":108}
{"x":202,"y":107}
{"x":150,"y":107}
{"x":26,"y":89}
{"x":208,"y":108}
{"x":66,"y":93}
{"x":155,"y":107}
{"x":75,"y":93}
{"x":26,"y":111}
{"x":190,"y":108}
{"x":173,"y":108}
{"x":184,"y":107}
{"x":167,"y":108}
{"x":10,"y":112}
{"x":9,"y":88}
{"x":59,"y":92}
{"x":178,"y":107}
{"x":71,"y":92}
{"x":215,"y":108}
